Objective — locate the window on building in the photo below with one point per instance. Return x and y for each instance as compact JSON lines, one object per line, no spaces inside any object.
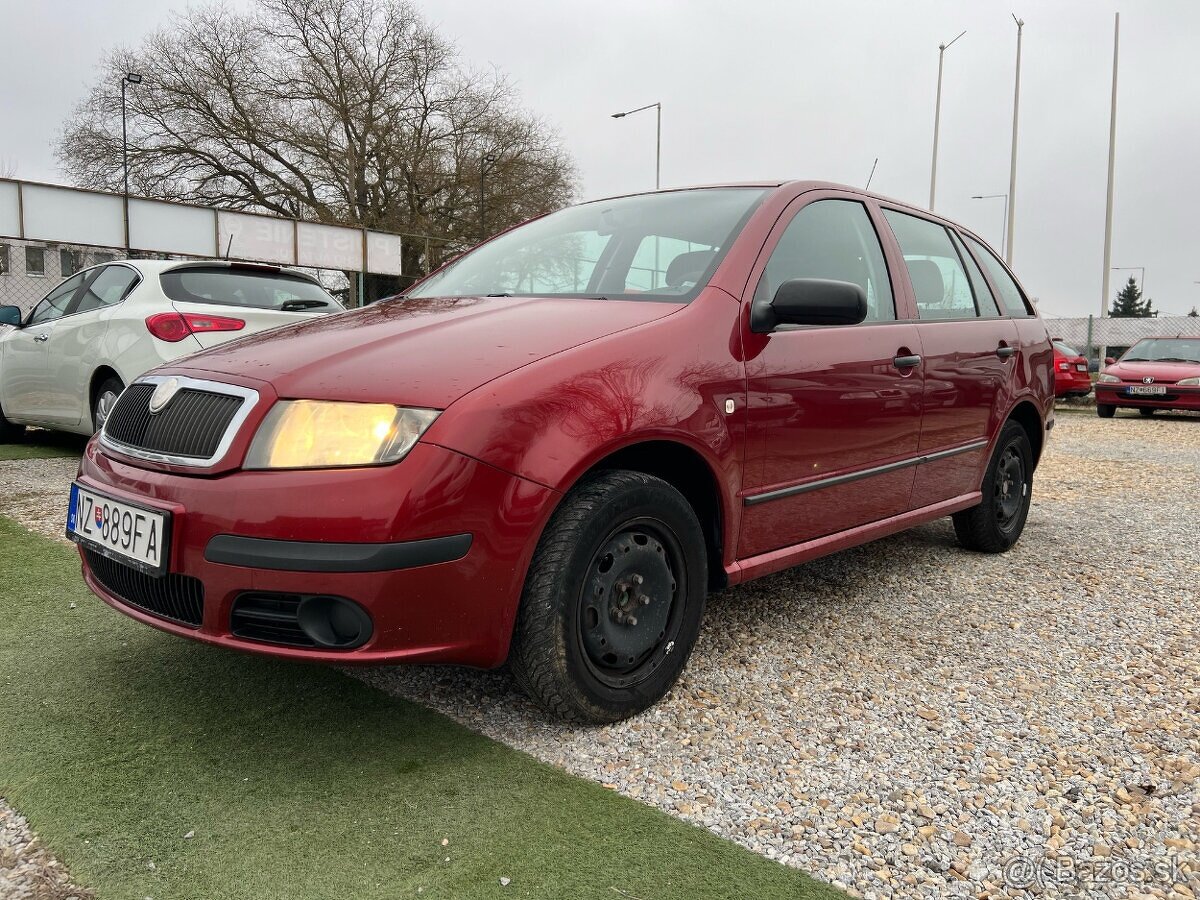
{"x":35,"y":260}
{"x":4,"y":263}
{"x":68,"y":262}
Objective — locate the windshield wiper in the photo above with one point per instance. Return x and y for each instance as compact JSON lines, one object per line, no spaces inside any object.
{"x":298,"y":305}
{"x":501,"y":294}
{"x":1175,"y":359}
{"x":1135,"y":359}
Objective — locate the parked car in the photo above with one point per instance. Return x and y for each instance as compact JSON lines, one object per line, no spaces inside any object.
{"x":64,"y":365}
{"x":552,"y":449}
{"x":1071,"y":378}
{"x":1155,"y":373}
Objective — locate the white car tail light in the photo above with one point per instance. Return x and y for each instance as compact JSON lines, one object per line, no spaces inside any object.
{"x":174,"y":327}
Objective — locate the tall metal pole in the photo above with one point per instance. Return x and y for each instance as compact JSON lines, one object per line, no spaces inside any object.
{"x":937,"y":122}
{"x":1004,"y":220}
{"x":658,"y":148}
{"x":125,"y":162}
{"x":1012,"y":166}
{"x":1112,"y":156}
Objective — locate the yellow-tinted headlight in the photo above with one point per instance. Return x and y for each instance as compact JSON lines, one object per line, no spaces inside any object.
{"x":313,"y":434}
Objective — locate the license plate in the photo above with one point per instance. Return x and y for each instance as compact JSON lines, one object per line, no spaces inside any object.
{"x":134,"y":535}
{"x":1146,"y":389}
{"x":1080,"y":367}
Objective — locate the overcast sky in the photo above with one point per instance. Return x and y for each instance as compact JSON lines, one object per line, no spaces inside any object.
{"x":757,"y":89}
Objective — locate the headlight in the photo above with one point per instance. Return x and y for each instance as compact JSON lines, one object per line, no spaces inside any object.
{"x":1109,"y":379}
{"x":1192,"y":381}
{"x":311,"y":434}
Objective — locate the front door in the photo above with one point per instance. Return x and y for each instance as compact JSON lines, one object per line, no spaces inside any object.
{"x":831,"y":409}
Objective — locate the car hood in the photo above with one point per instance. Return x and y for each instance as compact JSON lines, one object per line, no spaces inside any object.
{"x":1167,"y":372}
{"x":418,"y":352}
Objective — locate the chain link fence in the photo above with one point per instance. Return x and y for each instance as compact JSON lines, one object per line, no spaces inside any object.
{"x":1089,"y":334}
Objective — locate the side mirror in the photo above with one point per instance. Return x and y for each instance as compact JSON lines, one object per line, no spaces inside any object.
{"x":10,"y":315}
{"x":813,"y":301}
{"x":1108,"y":360}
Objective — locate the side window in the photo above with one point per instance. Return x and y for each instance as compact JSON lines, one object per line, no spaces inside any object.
{"x":983,"y":294}
{"x":107,"y":288}
{"x":1011,"y":297}
{"x":939,"y":280}
{"x":832,"y":239}
{"x":56,"y":302}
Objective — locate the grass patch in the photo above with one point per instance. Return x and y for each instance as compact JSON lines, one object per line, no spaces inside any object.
{"x":41,"y":444}
{"x":116,"y":740}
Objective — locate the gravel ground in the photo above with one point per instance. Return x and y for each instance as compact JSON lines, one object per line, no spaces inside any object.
{"x":910,"y":720}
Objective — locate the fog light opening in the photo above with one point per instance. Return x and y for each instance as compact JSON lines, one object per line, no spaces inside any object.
{"x":334,"y":622}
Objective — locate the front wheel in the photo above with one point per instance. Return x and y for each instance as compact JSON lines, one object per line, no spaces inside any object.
{"x":613,"y":599}
{"x":1146,"y":411}
{"x":995,"y":524}
{"x":104,"y":401}
{"x":1104,"y":411}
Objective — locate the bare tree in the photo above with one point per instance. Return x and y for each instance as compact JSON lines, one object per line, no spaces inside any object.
{"x":344,"y":111}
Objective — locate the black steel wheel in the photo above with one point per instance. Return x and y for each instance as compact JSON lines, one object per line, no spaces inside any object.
{"x":1146,"y":411}
{"x":613,"y":599}
{"x":1105,"y":411}
{"x":997,"y":522}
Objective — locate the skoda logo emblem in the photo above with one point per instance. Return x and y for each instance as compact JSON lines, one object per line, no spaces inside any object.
{"x":163,"y":393}
{"x":1148,"y":380}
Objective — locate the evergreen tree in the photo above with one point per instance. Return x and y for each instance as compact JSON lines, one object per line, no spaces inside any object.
{"x":1129,"y":303}
{"x":1195,"y":314}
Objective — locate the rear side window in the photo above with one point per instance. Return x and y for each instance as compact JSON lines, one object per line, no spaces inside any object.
{"x":258,"y":289}
{"x":983,"y":294}
{"x":939,"y":280}
{"x":108,"y":287}
{"x":832,"y":239}
{"x":1011,"y":298}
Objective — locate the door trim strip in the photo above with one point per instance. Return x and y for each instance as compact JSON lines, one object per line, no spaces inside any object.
{"x":780,"y":493}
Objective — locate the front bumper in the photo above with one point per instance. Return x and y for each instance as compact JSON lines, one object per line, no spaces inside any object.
{"x":1177,"y":397}
{"x":434,"y":548}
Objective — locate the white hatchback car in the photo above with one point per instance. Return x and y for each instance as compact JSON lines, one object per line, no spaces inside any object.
{"x":64,"y":365}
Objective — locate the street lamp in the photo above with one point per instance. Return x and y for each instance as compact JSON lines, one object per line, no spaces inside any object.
{"x":486,"y":162}
{"x":937,"y":121}
{"x":992,"y":197}
{"x":130,"y":78}
{"x":658,"y":137}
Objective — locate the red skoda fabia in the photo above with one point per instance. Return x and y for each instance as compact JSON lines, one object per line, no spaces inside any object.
{"x":551,"y":450}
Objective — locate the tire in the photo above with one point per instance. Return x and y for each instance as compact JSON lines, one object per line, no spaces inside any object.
{"x":592,"y":644}
{"x":1104,"y":411}
{"x":995,"y":524}
{"x":1146,"y":411}
{"x":104,"y":399}
{"x":10,"y":432}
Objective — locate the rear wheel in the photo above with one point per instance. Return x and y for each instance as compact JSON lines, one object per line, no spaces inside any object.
{"x":1104,"y":411}
{"x":1146,"y":411}
{"x":997,"y":522}
{"x":613,"y":600}
{"x":104,"y":400}
{"x":10,"y":432}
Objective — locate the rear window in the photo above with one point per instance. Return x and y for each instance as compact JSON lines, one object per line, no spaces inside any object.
{"x":1066,"y":349}
{"x":258,"y":289}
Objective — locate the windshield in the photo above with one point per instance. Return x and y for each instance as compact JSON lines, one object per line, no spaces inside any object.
{"x":648,"y":247}
{"x":257,"y":288}
{"x":1164,"y":350}
{"x":1066,"y":350}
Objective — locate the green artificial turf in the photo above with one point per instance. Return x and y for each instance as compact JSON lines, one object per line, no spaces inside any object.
{"x":117,"y":740}
{"x":39,"y":444}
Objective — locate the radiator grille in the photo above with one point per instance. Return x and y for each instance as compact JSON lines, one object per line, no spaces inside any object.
{"x":191,"y":425}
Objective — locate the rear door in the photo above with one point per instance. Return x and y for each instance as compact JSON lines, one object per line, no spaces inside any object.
{"x":968,"y":352}
{"x":834,"y":412}
{"x":27,"y":392}
{"x":217,"y":298}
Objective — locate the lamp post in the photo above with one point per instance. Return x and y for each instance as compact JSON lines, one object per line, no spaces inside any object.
{"x":992,"y":197}
{"x":937,"y":121}
{"x":130,"y":78}
{"x":486,"y":162}
{"x":657,"y":140}
{"x":1012,"y":162}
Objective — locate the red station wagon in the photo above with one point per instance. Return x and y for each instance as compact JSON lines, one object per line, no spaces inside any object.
{"x":552,"y":449}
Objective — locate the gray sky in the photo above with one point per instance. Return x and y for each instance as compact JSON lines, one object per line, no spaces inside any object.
{"x":808,"y":90}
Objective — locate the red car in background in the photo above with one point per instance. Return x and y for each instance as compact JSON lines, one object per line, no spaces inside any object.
{"x":549,"y":451}
{"x":1071,"y":378}
{"x":1155,"y":373}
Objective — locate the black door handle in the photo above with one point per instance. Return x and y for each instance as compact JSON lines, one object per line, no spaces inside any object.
{"x":1005,"y":352}
{"x":906,"y":362}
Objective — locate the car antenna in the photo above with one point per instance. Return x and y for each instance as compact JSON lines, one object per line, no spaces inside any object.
{"x":228,"y":247}
{"x":872,"y":175}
